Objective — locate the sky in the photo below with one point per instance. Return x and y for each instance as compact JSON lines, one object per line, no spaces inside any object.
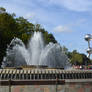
{"x":68,"y":20}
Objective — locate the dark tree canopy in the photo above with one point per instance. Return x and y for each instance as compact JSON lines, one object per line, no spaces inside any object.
{"x":77,"y":58}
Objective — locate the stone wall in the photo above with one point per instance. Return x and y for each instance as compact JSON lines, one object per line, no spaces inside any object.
{"x":67,"y":87}
{"x":45,"y":80}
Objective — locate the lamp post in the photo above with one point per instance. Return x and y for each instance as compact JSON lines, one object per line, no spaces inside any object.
{"x":9,"y":85}
{"x":88,"y":38}
{"x":56,"y":82}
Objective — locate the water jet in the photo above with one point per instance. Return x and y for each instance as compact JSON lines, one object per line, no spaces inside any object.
{"x":38,"y":68}
{"x":37,"y":53}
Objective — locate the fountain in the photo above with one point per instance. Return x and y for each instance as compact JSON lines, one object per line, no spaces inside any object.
{"x":36,"y":53}
{"x":34,"y":60}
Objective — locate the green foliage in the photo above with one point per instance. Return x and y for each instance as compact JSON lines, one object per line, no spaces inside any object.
{"x":78,"y":58}
{"x":49,"y":38}
{"x":2,"y":10}
{"x":11,"y":27}
{"x":8,"y":29}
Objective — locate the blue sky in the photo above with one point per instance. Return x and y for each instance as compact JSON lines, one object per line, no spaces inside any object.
{"x":67,"y":20}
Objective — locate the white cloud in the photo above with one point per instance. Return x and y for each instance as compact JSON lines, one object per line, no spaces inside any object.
{"x":78,"y":5}
{"x":78,"y":22}
{"x":74,"y":5}
{"x":61,"y":28}
{"x":30,"y":15}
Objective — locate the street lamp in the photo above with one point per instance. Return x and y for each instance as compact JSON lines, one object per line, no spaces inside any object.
{"x":88,"y":38}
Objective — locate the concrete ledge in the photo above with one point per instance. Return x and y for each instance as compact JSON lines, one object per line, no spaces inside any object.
{"x":31,"y":82}
{"x":78,"y":80}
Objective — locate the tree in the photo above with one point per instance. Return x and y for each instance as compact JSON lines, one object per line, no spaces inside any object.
{"x":78,"y":58}
{"x":8,"y":29}
{"x":2,"y":10}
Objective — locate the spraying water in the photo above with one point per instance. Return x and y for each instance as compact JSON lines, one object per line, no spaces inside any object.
{"x":36,"y":53}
